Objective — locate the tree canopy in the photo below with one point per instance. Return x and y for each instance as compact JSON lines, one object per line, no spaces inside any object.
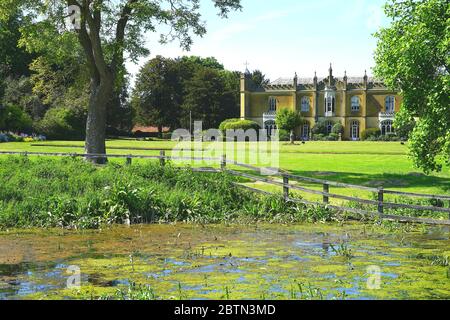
{"x":107,"y":32}
{"x":413,"y":55}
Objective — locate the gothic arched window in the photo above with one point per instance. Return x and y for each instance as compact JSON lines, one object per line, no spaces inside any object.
{"x":387,"y":127}
{"x":305,"y":104}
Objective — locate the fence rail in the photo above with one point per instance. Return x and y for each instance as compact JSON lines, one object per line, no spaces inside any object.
{"x":286,"y":186}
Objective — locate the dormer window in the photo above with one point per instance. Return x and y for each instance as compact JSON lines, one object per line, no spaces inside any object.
{"x":390,"y":104}
{"x":305,"y":104}
{"x":272,"y":104}
{"x":355,"y":103}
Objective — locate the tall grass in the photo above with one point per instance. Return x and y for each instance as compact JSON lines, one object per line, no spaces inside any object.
{"x":71,"y":193}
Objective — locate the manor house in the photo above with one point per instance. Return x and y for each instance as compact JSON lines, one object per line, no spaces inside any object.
{"x":358,"y":103}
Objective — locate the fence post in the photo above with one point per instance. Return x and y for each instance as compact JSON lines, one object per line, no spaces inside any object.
{"x":162,"y":159}
{"x":326,"y":189}
{"x":285,"y":187}
{"x":223,"y":162}
{"x":129,"y":160}
{"x":380,"y":200}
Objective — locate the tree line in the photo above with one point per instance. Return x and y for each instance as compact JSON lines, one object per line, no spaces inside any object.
{"x":48,"y":91}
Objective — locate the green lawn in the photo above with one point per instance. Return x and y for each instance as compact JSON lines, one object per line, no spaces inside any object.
{"x":364,"y":163}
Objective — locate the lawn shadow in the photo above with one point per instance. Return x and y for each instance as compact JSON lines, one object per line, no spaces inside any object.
{"x":385,"y":180}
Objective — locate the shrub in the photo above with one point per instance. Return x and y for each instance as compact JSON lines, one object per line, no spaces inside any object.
{"x":389,"y":137}
{"x":72,"y":193}
{"x":224,"y":123}
{"x":319,"y":128}
{"x":319,"y":137}
{"x":284,"y":135}
{"x":337,"y":129}
{"x":63,"y":124}
{"x":372,"y":133}
{"x":12,"y":118}
{"x":333,"y":137}
{"x":238,"y":124}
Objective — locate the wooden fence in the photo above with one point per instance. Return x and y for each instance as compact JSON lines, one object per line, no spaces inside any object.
{"x":287,"y":186}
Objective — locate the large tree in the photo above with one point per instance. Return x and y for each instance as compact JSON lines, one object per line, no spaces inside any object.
{"x":107,"y":30}
{"x":209,"y":98}
{"x":157,"y":96}
{"x":413,"y":55}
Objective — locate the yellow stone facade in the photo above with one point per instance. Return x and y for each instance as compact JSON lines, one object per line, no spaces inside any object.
{"x":357,"y":103}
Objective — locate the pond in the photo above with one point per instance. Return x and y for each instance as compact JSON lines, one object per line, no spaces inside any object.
{"x":310,"y":261}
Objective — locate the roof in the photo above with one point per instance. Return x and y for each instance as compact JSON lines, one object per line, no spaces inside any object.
{"x":290,"y":81}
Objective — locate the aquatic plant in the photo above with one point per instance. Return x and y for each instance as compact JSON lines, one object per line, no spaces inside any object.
{"x":134,"y":292}
{"x":70,"y":193}
{"x":342,"y":250}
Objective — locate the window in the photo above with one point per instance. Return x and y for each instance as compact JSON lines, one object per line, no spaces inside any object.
{"x":329,"y":125}
{"x":387,"y":127}
{"x":305,"y":104}
{"x":272,"y":104}
{"x":305,"y":131}
{"x":329,"y":104}
{"x":355,"y":103}
{"x":390,"y":104}
{"x":270,"y":127}
{"x":354,"y":130}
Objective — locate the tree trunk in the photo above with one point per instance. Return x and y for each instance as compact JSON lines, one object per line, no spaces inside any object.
{"x":96,"y":120}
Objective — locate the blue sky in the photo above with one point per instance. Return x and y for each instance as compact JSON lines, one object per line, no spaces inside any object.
{"x":281,"y":37}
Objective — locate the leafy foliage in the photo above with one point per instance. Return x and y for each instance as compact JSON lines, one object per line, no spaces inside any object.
{"x":72,"y":193}
{"x":413,"y":55}
{"x":288,"y":120}
{"x":371,"y":133}
{"x":238,"y":124}
{"x":63,"y":124}
{"x":12,"y":118}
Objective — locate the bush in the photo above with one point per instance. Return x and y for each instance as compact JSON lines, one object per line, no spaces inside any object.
{"x":333,"y":137}
{"x":72,"y":193}
{"x":319,"y":128}
{"x":12,"y":118}
{"x":224,"y":123}
{"x":63,"y":124}
{"x":284,"y":135}
{"x":370,"y":134}
{"x":337,"y":129}
{"x":389,"y":137}
{"x":238,"y":124}
{"x":320,"y":137}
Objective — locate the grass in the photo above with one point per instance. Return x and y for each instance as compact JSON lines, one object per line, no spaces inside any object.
{"x":374,"y":164}
{"x":365,"y":163}
{"x":71,"y":193}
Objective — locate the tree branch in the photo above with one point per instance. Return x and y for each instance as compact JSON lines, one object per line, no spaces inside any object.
{"x":117,"y":59}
